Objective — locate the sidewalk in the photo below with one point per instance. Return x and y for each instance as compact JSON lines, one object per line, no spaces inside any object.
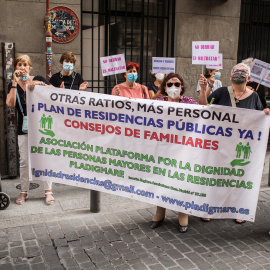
{"x":67,"y":235}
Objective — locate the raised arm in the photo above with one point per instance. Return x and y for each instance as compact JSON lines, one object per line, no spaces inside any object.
{"x":203,"y":85}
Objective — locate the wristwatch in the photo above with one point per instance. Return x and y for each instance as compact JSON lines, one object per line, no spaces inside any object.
{"x":210,"y":85}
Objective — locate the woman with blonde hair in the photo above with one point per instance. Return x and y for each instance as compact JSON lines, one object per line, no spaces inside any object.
{"x":17,"y":98}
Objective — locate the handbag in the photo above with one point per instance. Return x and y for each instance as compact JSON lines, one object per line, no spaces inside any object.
{"x":24,"y":124}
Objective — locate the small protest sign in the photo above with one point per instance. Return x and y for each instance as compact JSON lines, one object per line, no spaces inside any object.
{"x":113,"y":64}
{"x":260,"y":72}
{"x":163,"y":65}
{"x":205,"y":52}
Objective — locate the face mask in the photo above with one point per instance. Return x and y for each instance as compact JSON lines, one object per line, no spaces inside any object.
{"x":239,"y":78}
{"x":159,"y":76}
{"x":217,"y":75}
{"x":173,"y":92}
{"x":132,"y":77}
{"x":25,"y":77}
{"x":68,"y":66}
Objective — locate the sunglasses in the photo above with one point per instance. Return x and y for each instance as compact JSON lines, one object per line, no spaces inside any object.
{"x":240,"y":70}
{"x":170,"y":84}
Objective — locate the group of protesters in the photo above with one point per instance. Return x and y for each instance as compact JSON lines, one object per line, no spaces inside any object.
{"x":243,"y":93}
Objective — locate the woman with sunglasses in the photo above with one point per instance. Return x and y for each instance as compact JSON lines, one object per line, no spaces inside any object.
{"x":241,"y":95}
{"x":172,"y":88}
{"x":129,"y":88}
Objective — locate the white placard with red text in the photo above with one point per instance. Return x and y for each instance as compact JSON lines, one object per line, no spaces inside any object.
{"x":205,"y":52}
{"x":113,"y":64}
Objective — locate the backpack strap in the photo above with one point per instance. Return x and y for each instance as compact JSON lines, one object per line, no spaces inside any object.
{"x":230,"y":89}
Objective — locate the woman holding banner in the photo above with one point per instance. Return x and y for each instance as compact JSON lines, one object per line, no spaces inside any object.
{"x":67,"y":78}
{"x":172,"y":89}
{"x":17,"y":98}
{"x":237,"y":95}
{"x":130,"y":88}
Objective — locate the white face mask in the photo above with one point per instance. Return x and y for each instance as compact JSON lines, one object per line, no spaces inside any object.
{"x":159,"y":76}
{"x":173,"y":92}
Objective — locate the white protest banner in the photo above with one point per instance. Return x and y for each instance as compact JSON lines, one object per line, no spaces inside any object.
{"x":113,"y":64}
{"x":164,"y":65}
{"x":205,"y":52}
{"x":219,"y":65}
{"x":260,"y":72}
{"x":205,"y":161}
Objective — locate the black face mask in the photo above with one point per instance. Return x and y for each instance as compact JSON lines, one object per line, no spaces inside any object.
{"x":239,"y":78}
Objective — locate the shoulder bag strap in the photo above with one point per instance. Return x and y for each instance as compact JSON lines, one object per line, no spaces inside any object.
{"x":143,"y":90}
{"x":231,"y":96}
{"x":19,"y":101}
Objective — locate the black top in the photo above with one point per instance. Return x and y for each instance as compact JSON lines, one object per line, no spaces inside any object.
{"x":58,"y":78}
{"x":260,"y":91}
{"x":222,"y":97}
{"x":152,"y":86}
{"x":22,"y":96}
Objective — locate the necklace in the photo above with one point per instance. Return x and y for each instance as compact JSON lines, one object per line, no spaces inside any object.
{"x":238,"y":99}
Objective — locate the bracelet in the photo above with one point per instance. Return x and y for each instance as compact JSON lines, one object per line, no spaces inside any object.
{"x":13,"y":86}
{"x":210,"y":85}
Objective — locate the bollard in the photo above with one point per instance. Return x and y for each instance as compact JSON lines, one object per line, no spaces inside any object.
{"x":95,"y":201}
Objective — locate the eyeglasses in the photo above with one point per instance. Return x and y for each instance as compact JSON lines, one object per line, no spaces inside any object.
{"x":240,"y":70}
{"x":170,"y":84}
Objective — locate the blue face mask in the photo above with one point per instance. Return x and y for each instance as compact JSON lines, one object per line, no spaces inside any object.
{"x":68,"y":67}
{"x":132,"y":77}
{"x":217,"y":75}
{"x":25,"y":77}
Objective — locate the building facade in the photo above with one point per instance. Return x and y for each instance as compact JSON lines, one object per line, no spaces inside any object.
{"x":141,"y":29}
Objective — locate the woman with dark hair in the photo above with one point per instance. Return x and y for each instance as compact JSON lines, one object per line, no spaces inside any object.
{"x":67,"y":78}
{"x":213,"y":82}
{"x":130,"y":88}
{"x":172,"y":88}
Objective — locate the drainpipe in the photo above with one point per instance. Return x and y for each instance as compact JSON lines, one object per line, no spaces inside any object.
{"x":48,"y":37}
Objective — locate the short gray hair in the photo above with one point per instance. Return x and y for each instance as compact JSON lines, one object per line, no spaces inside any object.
{"x":248,"y":61}
{"x":243,"y":65}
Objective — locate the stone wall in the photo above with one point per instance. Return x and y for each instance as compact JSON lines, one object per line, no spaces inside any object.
{"x":22,"y":22}
{"x":199,"y":20}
